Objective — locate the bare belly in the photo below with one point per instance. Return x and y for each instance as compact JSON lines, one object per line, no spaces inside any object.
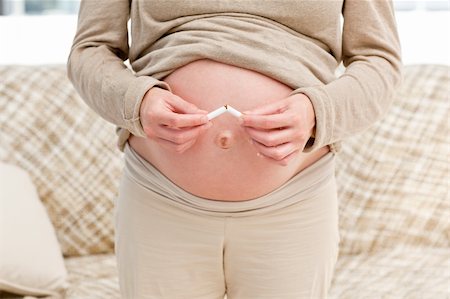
{"x":223,"y":164}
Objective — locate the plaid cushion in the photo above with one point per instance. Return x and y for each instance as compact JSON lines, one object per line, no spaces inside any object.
{"x":393,"y":179}
{"x":409,"y":273}
{"x":68,"y":150}
{"x":93,"y":277}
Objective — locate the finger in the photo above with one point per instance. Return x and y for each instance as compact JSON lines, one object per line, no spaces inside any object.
{"x":283,"y":162}
{"x":272,"y":137}
{"x":288,"y":158}
{"x":176,"y":120}
{"x":184,"y":147}
{"x":169,"y":145}
{"x":272,"y":108}
{"x":173,"y":147}
{"x":276,"y":152}
{"x":181,"y":136}
{"x":183,"y":106}
{"x":272,"y":121}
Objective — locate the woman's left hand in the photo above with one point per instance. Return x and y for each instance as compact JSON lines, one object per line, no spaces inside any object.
{"x":280,"y":130}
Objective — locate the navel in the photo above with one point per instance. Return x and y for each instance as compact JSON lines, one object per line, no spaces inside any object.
{"x":225,"y":139}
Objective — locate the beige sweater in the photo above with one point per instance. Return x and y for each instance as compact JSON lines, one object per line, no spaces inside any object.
{"x":297,"y":42}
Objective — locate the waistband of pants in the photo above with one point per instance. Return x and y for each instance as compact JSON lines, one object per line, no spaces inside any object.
{"x":307,"y":183}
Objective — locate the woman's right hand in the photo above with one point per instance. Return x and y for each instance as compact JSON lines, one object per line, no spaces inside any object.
{"x":171,"y":121}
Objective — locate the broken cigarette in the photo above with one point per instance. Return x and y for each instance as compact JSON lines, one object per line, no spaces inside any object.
{"x":233,"y":111}
{"x":217,"y":112}
{"x":223,"y":109}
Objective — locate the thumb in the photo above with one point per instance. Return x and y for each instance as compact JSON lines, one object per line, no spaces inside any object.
{"x":183,"y":106}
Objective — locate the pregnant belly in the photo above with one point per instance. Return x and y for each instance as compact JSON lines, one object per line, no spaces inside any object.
{"x":223,"y":164}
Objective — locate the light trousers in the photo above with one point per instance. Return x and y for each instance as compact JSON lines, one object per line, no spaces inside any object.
{"x":170,"y":244}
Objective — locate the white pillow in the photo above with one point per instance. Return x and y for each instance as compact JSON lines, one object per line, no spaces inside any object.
{"x":31,"y":262}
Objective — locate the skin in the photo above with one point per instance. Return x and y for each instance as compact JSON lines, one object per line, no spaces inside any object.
{"x":225,"y":159}
{"x":279,"y":130}
{"x":172,"y":122}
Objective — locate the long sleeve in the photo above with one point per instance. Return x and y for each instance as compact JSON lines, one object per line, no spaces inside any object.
{"x":363,"y":94}
{"x":96,"y":68}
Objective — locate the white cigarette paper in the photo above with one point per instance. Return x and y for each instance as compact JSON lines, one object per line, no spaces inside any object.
{"x":223,"y":109}
{"x":217,"y":112}
{"x":233,"y":111}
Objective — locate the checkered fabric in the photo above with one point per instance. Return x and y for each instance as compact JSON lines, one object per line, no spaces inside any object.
{"x":92,"y":277}
{"x":68,"y":150}
{"x":398,"y":273}
{"x":393,"y":180}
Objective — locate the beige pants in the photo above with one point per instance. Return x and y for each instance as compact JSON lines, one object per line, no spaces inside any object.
{"x":171,"y":244}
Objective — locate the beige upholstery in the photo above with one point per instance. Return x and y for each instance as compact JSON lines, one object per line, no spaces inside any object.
{"x":31,"y":262}
{"x":392,"y":180}
{"x":93,"y":276}
{"x":67,"y":149}
{"x":397,"y":273}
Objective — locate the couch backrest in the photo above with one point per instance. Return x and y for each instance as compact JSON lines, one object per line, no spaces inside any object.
{"x":68,"y":150}
{"x":392,"y":179}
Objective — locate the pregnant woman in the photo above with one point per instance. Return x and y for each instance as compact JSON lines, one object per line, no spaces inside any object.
{"x":243,"y":205}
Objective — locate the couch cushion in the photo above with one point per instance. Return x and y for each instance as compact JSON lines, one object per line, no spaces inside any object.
{"x":92,"y":277}
{"x":410,"y":273}
{"x":31,"y":262}
{"x":68,"y":150}
{"x":393,"y":179}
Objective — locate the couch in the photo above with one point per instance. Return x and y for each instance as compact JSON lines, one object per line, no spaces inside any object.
{"x":393,"y":183}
